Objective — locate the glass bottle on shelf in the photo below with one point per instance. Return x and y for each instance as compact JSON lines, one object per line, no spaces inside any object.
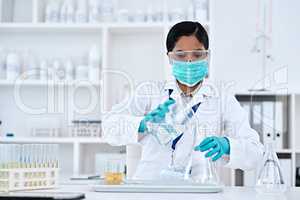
{"x":13,"y":65}
{"x":2,"y":63}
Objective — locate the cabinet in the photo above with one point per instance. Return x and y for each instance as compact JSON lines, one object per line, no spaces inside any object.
{"x":272,"y":116}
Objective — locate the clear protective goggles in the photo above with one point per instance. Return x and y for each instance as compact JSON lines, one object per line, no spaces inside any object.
{"x":192,"y":55}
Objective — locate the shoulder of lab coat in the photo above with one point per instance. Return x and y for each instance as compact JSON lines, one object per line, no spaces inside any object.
{"x":118,"y":129}
{"x":121,"y":124}
{"x":245,"y":148}
{"x":144,"y":98}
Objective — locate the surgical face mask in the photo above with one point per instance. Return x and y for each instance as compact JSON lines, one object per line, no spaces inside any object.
{"x":189,"y":73}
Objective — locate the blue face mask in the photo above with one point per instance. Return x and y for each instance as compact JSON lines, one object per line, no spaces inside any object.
{"x":190,"y":73}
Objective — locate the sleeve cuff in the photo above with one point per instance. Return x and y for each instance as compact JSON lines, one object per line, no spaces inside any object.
{"x":121,"y":129}
{"x":235,"y":154}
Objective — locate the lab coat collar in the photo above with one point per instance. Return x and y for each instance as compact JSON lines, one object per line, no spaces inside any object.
{"x":204,"y":91}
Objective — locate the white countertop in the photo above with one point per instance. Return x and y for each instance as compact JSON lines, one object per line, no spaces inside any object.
{"x":229,"y":193}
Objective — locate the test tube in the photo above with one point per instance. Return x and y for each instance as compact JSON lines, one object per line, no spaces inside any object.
{"x":39,"y":155}
{"x":33,"y":155}
{"x":10,"y":156}
{"x":48,"y":155}
{"x":2,"y":156}
{"x":21,"y":157}
{"x":30,"y":155}
{"x":16,"y":155}
{"x":56,"y":153}
{"x":43,"y":156}
{"x":51,"y":155}
{"x":24,"y":156}
{"x":5,"y":156}
{"x":1,"y":165}
{"x":27,"y":156}
{"x":17,"y":158}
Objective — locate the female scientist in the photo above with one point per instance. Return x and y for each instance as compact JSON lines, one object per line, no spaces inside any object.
{"x":215,"y":114}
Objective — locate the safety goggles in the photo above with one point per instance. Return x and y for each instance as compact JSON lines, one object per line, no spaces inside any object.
{"x":193,"y":55}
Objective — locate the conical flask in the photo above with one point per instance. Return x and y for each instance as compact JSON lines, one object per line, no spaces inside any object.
{"x":270,"y":179}
{"x":204,"y":170}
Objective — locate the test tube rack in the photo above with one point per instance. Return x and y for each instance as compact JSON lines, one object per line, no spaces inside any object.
{"x":28,"y":178}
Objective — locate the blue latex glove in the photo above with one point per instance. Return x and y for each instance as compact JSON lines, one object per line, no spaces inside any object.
{"x":216,"y":147}
{"x":157,"y":115}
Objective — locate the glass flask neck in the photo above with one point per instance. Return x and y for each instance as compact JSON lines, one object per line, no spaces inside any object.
{"x":270,"y":151}
{"x":269,"y":147}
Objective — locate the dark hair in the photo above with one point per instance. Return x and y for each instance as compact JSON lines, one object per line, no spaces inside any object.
{"x":186,"y":28}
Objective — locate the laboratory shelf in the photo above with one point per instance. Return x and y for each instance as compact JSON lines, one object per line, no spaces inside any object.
{"x":85,"y":27}
{"x":284,"y":150}
{"x":205,"y":24}
{"x":140,"y":27}
{"x":48,"y":83}
{"x":56,"y":140}
{"x":135,"y":27}
{"x":88,"y":140}
{"x":50,"y":27}
{"x":297,"y":151}
{"x":262,"y":93}
{"x":78,"y":27}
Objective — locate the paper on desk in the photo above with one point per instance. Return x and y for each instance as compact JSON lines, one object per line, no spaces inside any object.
{"x":120,"y":129}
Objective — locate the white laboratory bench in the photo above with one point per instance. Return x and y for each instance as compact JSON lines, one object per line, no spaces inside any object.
{"x":229,"y":193}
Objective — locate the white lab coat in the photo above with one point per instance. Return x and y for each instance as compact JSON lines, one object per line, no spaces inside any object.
{"x":218,"y":114}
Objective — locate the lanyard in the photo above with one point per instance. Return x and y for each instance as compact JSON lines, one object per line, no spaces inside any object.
{"x":190,"y":115}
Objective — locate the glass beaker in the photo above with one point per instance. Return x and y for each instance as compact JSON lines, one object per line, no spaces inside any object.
{"x":114,"y":172}
{"x":204,"y":170}
{"x":270,"y":179}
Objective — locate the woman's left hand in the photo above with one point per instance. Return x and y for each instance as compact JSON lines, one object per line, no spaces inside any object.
{"x":216,"y":147}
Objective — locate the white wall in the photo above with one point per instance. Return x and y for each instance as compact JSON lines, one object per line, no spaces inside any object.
{"x":234,"y":30}
{"x":286,"y":32}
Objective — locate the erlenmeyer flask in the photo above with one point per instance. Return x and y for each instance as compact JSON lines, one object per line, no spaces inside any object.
{"x":204,"y":170}
{"x":270,"y":179}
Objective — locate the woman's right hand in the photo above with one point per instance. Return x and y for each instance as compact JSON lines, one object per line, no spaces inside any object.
{"x":156,"y":116}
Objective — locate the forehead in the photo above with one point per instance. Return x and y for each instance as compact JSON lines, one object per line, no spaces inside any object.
{"x":186,"y":43}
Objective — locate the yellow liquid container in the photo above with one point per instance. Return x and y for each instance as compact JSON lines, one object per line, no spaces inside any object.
{"x":113,"y":178}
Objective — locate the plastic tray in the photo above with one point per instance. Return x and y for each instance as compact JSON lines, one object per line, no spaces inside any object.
{"x":154,"y":188}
